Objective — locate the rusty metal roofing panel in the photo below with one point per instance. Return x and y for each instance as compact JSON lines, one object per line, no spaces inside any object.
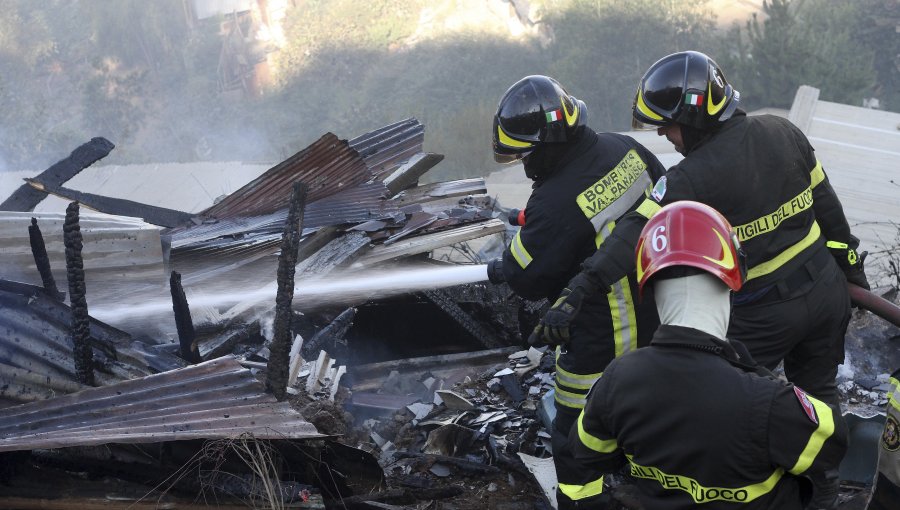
{"x":362,"y":203}
{"x":327,"y":166}
{"x":212,"y":400}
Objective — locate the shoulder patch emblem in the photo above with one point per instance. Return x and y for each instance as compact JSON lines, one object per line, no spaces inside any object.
{"x":806,"y":405}
{"x":659,"y":190}
{"x":890,"y":439}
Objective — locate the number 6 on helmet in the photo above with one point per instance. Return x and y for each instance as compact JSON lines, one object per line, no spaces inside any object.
{"x":690,"y":234}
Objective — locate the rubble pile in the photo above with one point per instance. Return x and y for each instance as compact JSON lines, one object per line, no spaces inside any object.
{"x":420,"y":399}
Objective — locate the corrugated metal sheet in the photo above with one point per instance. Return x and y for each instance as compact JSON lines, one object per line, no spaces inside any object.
{"x":116,"y":250}
{"x":327,"y":166}
{"x":247,"y":224}
{"x":36,"y":360}
{"x":386,"y":148}
{"x":356,"y":205}
{"x":215,"y":399}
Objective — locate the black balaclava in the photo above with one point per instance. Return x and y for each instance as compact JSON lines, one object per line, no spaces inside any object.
{"x":545,"y":159}
{"x":691,"y":137}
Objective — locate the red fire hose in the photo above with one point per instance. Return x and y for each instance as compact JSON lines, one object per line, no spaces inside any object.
{"x":875,"y":304}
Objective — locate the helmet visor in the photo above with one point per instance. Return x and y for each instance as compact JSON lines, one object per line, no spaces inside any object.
{"x":638,"y":125}
{"x":510,"y":158}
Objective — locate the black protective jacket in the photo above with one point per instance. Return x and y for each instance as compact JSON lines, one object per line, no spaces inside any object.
{"x":572,"y":210}
{"x":697,"y":425}
{"x":762,"y":174}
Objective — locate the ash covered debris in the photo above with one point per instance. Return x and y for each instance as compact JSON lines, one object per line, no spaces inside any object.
{"x":416,"y":398}
{"x":146,"y":422}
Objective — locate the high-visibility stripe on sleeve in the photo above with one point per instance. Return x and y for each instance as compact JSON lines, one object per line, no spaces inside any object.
{"x":593,"y":442}
{"x":837,"y":245}
{"x":517,"y":248}
{"x":569,"y":399}
{"x":621,"y":305}
{"x":786,"y":255}
{"x":648,"y":208}
{"x":818,"y":438}
{"x":894,"y":394}
{"x":621,"y":309}
{"x":578,"y":381}
{"x":816,"y":175}
{"x":576,"y":492}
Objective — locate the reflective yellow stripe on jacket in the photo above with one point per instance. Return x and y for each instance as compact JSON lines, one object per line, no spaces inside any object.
{"x":800,"y":203}
{"x":621,"y":306}
{"x":703,"y":494}
{"x":517,"y":248}
{"x":593,"y":442}
{"x":576,"y":492}
{"x":894,"y":394}
{"x":580,"y":383}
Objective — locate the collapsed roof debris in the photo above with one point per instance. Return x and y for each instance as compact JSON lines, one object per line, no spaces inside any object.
{"x":429,"y":392}
{"x":215,"y":399}
{"x":36,"y":354}
{"x":363,"y":194}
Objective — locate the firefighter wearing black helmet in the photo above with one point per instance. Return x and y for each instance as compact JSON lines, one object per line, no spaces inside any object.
{"x":761,"y":173}
{"x":583,"y":183}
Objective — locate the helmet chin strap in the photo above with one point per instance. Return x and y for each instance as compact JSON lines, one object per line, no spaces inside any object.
{"x":699,"y":301}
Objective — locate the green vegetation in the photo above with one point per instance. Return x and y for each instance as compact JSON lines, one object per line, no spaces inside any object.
{"x":150,"y":79}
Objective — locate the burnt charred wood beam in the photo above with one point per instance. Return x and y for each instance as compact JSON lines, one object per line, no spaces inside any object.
{"x":41,"y":260}
{"x":279,"y":358}
{"x":27,"y":197}
{"x":187,"y":336}
{"x":119,"y":206}
{"x":446,"y":303}
{"x":329,"y":335}
{"x":81,"y":329}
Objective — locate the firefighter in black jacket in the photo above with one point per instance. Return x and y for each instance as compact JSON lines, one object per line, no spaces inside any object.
{"x":697,"y":421}
{"x":583,"y":183}
{"x":762,"y":174}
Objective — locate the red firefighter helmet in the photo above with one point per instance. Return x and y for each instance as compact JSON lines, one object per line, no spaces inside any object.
{"x":687,"y":233}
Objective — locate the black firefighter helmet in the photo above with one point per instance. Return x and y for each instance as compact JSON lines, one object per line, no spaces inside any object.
{"x":686,"y":87}
{"x":534,"y":111}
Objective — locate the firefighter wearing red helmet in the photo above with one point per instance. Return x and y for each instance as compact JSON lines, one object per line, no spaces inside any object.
{"x":762,"y":174}
{"x":698,"y":422}
{"x":583,"y":183}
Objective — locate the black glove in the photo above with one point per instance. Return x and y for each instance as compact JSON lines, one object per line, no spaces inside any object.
{"x":553,"y":329}
{"x":856,"y":273}
{"x":495,"y":271}
{"x":850,"y":262}
{"x":826,"y":487}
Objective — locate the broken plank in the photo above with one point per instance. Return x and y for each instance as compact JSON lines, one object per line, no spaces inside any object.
{"x":408,"y":174}
{"x":26,"y":198}
{"x":152,"y":214}
{"x":440,"y":190}
{"x":429,"y":242}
